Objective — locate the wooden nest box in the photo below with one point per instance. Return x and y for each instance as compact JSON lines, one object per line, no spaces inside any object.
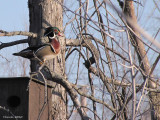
{"x":18,"y":102}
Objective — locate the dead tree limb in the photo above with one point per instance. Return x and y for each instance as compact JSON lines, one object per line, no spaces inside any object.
{"x":24,"y":33}
{"x":4,"y":45}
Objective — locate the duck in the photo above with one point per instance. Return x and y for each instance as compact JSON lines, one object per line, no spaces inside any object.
{"x":45,"y":51}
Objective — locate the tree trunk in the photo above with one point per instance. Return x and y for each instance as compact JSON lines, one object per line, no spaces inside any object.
{"x":44,"y":13}
{"x":143,"y":59}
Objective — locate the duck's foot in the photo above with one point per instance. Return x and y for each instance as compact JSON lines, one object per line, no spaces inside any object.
{"x":40,"y":68}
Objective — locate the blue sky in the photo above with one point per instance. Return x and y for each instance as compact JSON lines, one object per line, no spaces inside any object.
{"x":14,"y":14}
{"x":14,"y":17}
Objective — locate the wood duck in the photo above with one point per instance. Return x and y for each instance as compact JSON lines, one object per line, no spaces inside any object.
{"x":46,"y":51}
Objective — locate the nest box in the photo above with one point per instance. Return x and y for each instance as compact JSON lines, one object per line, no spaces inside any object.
{"x":18,"y":102}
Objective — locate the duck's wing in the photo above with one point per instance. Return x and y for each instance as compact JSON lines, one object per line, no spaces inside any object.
{"x":52,"y":48}
{"x":29,"y":52}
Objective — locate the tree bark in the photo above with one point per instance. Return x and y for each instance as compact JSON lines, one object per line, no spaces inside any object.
{"x":42,"y":14}
{"x":128,"y":9}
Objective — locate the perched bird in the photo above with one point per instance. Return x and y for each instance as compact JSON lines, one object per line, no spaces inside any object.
{"x":46,"y":51}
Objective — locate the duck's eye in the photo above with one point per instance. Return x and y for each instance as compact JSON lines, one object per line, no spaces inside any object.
{"x":56,"y":32}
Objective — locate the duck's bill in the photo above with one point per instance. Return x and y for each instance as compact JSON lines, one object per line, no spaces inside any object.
{"x":60,"y":34}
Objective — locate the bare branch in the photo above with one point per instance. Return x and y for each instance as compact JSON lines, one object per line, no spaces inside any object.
{"x":29,"y":34}
{"x":68,"y":86}
{"x":106,"y":79}
{"x":94,"y":99}
{"x":73,"y":51}
{"x":76,"y":43}
{"x":3,"y":45}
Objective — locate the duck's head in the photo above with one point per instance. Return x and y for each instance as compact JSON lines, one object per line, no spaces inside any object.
{"x":52,"y":32}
